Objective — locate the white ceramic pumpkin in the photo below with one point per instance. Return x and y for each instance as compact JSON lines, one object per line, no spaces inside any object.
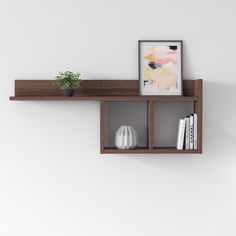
{"x":126,"y":137}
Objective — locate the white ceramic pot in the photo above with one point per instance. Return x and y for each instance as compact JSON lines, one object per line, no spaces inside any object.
{"x":126,"y":137}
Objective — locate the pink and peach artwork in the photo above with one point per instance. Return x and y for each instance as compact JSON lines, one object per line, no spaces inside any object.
{"x":161,"y":70}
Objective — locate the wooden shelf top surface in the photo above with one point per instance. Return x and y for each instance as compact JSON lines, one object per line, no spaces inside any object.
{"x":95,"y":90}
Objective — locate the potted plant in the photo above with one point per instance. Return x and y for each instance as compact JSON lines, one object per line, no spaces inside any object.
{"x":68,"y":82}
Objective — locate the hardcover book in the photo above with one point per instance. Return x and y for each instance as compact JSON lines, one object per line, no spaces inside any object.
{"x":181,"y":131}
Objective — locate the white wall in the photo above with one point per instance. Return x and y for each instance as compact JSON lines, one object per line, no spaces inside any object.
{"x":53,"y":181}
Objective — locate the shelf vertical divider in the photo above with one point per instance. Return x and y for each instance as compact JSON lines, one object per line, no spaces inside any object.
{"x":198,"y":86}
{"x":102,"y":126}
{"x":150,"y":124}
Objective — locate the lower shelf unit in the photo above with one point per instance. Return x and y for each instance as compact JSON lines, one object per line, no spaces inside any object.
{"x":155,"y":118}
{"x":156,"y":122}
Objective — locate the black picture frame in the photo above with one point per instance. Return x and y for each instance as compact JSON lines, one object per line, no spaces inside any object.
{"x":180,"y":90}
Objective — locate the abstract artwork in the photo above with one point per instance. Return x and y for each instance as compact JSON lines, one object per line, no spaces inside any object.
{"x":160,"y":67}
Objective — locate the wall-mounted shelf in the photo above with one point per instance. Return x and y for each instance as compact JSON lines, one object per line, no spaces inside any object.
{"x":154,"y":117}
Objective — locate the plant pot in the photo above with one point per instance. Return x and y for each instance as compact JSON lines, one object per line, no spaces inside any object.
{"x":68,"y":92}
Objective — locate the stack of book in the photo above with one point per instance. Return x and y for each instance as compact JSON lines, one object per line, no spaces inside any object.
{"x":187,"y":133}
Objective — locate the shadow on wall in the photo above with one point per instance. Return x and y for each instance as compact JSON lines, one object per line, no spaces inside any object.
{"x":219,"y":139}
{"x":219,"y":106}
{"x":219,"y":125}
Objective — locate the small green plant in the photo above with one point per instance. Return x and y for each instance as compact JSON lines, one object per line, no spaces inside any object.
{"x":68,"y":79}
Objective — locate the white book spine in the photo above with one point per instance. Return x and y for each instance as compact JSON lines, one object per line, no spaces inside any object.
{"x":181,"y":131}
{"x":195,"y":131}
{"x":191,"y":132}
{"x":187,"y":132}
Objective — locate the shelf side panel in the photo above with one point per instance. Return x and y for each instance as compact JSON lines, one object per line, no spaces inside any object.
{"x":102,"y":126}
{"x":198,"y":88}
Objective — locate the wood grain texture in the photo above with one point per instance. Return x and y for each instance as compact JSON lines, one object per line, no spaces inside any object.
{"x":162,"y":150}
{"x":88,"y":88}
{"x":198,"y":87}
{"x":91,"y":90}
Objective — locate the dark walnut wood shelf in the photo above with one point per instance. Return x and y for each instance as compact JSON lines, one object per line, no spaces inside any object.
{"x":93,"y":90}
{"x":160,"y":150}
{"x":112,"y":94}
{"x":112,"y":150}
{"x":104,"y":98}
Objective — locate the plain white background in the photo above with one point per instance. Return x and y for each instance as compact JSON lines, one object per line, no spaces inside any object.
{"x":53,"y":181}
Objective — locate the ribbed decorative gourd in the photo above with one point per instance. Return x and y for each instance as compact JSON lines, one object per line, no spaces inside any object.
{"x":126,"y":137}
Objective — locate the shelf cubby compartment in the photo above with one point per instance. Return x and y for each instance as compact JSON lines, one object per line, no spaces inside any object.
{"x":166,"y":115}
{"x":117,"y":113}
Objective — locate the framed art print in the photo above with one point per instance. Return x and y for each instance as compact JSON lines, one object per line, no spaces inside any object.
{"x":160,"y":67}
